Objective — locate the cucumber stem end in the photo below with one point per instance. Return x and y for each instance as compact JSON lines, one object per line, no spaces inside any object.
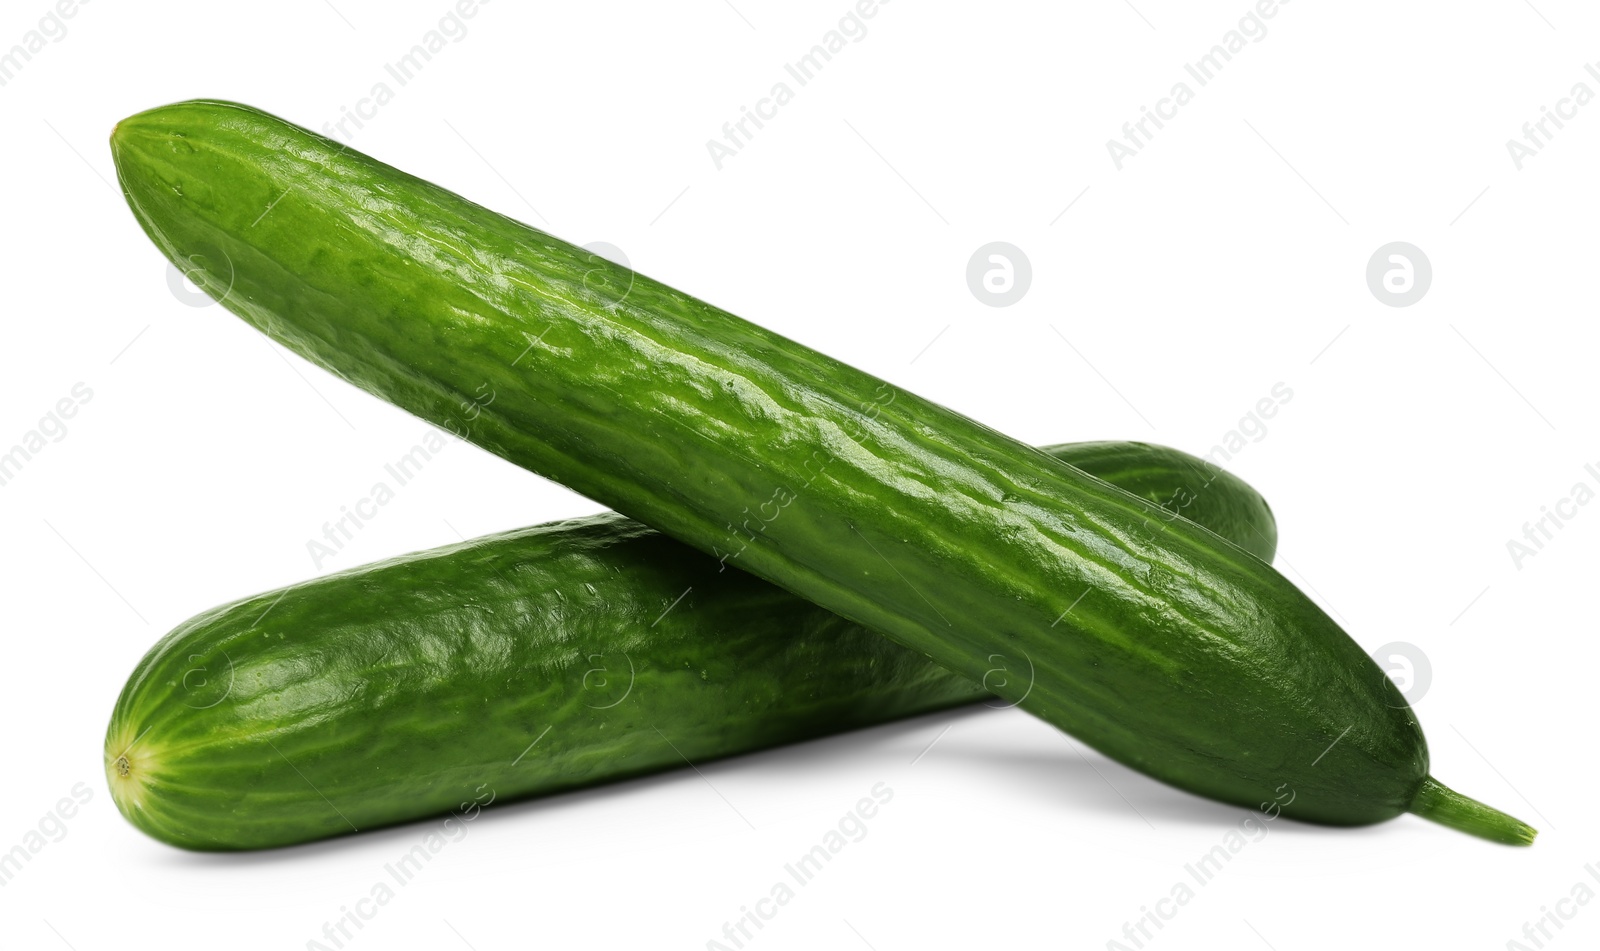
{"x":1439,"y":803}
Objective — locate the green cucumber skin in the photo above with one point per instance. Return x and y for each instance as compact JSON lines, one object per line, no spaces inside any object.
{"x":412,"y":687}
{"x":409,"y":688}
{"x":1195,"y":488}
{"x":1150,"y":639}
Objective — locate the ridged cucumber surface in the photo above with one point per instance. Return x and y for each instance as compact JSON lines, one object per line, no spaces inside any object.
{"x":1150,"y":638}
{"x":519,"y":664}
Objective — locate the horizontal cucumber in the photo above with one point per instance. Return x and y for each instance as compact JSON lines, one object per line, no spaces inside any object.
{"x":528,"y":662}
{"x":1151,"y":639}
{"x":1185,"y":485}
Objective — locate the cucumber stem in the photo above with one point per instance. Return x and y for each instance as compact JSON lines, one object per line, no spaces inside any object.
{"x":1439,"y":803}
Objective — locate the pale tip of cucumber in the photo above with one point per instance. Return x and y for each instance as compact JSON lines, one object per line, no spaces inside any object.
{"x":1439,"y":803}
{"x":129,"y":767}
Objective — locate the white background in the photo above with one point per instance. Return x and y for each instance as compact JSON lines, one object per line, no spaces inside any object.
{"x":1170,"y":296}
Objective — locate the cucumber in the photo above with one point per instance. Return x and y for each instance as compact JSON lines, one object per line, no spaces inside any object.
{"x":529,"y":662}
{"x":1185,"y":485}
{"x":1151,"y":639}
